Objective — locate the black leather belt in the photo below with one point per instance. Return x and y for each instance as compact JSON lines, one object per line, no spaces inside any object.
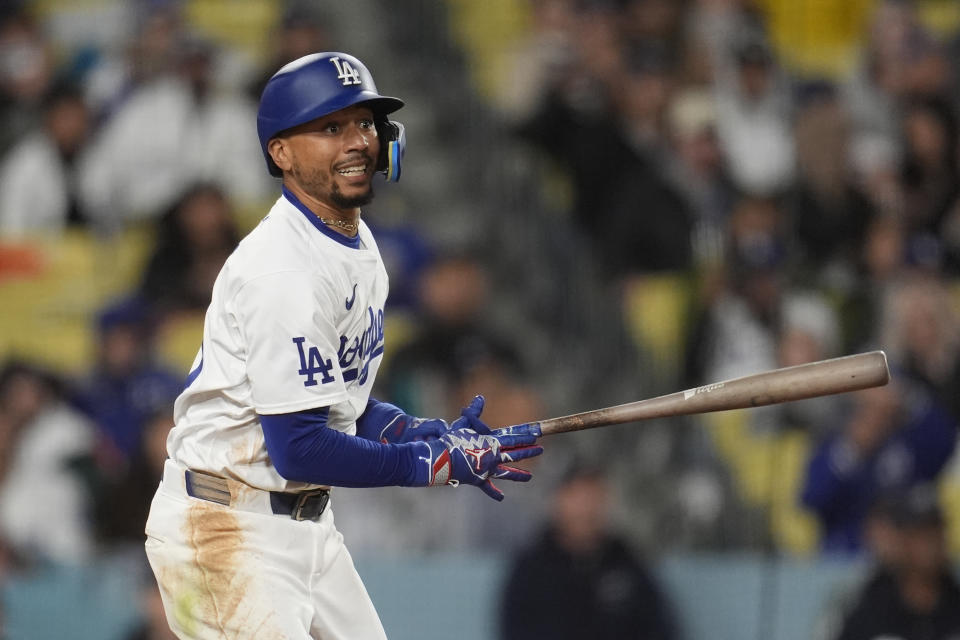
{"x":304,"y":505}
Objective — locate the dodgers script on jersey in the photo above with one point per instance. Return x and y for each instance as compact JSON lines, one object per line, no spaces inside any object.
{"x":295,"y":322}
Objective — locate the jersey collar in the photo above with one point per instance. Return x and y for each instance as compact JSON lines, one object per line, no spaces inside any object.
{"x":353,"y":243}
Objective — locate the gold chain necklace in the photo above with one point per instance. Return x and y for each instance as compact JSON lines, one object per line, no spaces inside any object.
{"x":349,"y":227}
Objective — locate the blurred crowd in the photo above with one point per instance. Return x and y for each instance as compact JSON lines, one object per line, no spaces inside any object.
{"x":808,"y":210}
{"x":760,"y":183}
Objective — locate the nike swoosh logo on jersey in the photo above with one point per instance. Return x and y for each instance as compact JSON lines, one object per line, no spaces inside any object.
{"x":352,"y":298}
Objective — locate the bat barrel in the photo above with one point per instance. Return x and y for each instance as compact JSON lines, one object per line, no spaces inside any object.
{"x":825,"y":377}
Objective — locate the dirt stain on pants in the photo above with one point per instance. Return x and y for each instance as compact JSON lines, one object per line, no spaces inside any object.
{"x":210,"y":589}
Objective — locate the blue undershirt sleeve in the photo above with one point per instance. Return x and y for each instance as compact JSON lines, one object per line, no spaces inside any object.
{"x":304,"y":449}
{"x":377,"y":417}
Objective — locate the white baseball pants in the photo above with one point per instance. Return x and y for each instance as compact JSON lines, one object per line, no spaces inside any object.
{"x":232,"y":572}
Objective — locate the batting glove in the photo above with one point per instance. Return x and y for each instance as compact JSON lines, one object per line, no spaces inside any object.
{"x":406,"y":428}
{"x":470,"y":417}
{"x":469,"y":452}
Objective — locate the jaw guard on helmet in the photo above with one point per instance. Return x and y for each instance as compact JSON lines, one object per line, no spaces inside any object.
{"x":319,"y":84}
{"x":393,"y":142}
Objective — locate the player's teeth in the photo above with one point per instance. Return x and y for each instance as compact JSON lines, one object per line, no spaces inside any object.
{"x":352,"y":171}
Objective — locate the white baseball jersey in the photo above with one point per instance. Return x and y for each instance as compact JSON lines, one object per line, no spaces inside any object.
{"x":295,"y":322}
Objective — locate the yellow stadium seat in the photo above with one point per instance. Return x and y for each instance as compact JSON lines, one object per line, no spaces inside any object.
{"x":485,"y":31}
{"x":656,"y":312}
{"x":819,"y":38}
{"x":246,"y":26}
{"x":178,"y":340}
{"x":48,"y":306}
{"x":768,"y":470}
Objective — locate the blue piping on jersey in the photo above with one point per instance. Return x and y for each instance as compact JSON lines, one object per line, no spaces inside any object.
{"x":193,"y":375}
{"x":353,"y":243}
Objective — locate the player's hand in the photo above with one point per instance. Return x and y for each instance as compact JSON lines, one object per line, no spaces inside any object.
{"x":472,"y":454}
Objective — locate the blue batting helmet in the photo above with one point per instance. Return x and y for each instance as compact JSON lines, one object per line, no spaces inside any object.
{"x":319,"y":84}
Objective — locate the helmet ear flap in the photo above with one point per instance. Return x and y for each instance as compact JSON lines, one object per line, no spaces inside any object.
{"x":393,"y":142}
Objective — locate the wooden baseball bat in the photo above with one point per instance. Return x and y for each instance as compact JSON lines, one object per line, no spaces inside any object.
{"x":821,"y":378}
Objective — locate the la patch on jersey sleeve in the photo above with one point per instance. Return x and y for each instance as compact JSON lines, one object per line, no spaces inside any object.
{"x":292,"y":359}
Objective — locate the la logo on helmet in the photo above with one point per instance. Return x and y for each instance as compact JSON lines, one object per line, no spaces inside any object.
{"x":346,"y":72}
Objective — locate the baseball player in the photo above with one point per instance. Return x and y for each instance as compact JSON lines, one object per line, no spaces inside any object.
{"x":277,"y":407}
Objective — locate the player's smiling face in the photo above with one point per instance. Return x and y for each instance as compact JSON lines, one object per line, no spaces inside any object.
{"x":332,"y":159}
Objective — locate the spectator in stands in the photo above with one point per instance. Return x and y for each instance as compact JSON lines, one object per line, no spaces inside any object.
{"x":697,"y":170}
{"x":612,"y":150}
{"x":654,"y":235}
{"x":829,"y":214}
{"x":875,"y":164}
{"x":451,"y":341}
{"x":545,"y":62}
{"x":881,"y":532}
{"x":920,"y":331}
{"x":931,"y":172}
{"x":194,"y":238}
{"x":641,"y":98}
{"x":860,"y":301}
{"x":127,"y":384}
{"x":300,"y":32}
{"x":26,"y":72}
{"x":141,"y":54}
{"x":47,"y":156}
{"x":917,"y":597}
{"x":579,"y":579}
{"x":171,"y":132}
{"x":656,"y":22}
{"x":46,"y":452}
{"x":891,"y":439}
{"x":123,"y":499}
{"x":590,"y":88}
{"x":736,"y":331}
{"x":879,"y":84}
{"x":884,"y":547}
{"x":754,"y":112}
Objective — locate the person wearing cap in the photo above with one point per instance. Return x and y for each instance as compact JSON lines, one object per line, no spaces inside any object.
{"x":579,"y":578}
{"x":917,"y":597}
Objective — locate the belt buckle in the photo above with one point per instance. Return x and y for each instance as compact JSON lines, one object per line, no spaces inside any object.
{"x":306,"y":509}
